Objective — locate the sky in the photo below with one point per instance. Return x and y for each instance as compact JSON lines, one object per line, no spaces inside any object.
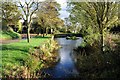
{"x":63,"y":12}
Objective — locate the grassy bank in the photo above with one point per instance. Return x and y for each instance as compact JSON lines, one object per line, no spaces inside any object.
{"x":16,"y":55}
{"x":9,"y":35}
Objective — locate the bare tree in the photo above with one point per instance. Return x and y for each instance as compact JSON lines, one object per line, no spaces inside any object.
{"x":28,"y":8}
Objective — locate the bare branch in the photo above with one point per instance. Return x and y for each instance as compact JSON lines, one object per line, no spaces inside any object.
{"x":22,"y":7}
{"x":37,"y":4}
{"x":31,"y":4}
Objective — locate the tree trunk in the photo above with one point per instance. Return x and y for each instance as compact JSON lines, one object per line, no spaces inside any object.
{"x":43,"y":32}
{"x":101,"y":41}
{"x":43,"y":35}
{"x":28,"y":34}
{"x":66,"y":29}
{"x":101,"y":34}
{"x":51,"y":31}
{"x":46,"y":31}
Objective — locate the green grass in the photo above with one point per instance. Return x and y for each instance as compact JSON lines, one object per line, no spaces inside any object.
{"x":17,"y":53}
{"x":9,"y":35}
{"x":4,"y":36}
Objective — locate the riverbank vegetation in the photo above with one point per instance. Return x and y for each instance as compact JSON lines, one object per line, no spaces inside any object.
{"x":98,"y":56}
{"x":47,"y":52}
{"x":92,"y":64}
{"x":71,"y":38}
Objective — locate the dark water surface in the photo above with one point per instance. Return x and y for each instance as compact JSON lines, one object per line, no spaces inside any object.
{"x":65,"y":68}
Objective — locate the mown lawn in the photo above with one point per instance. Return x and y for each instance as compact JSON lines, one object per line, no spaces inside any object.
{"x":16,"y":53}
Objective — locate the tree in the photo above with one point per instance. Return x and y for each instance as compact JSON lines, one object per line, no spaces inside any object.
{"x":0,"y":13}
{"x":28,"y":8}
{"x":48,"y":14}
{"x":95,"y":18}
{"x":10,"y":14}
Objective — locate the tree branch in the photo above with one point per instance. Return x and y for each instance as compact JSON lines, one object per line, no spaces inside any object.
{"x":22,"y":7}
{"x":33,"y":11}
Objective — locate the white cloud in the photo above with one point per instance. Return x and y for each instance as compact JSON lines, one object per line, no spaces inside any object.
{"x":63,"y":12}
{"x":61,"y":1}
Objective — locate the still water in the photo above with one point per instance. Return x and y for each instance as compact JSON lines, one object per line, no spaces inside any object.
{"x":65,"y":68}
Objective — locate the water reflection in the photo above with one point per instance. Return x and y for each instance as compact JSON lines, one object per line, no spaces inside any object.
{"x":65,"y":67}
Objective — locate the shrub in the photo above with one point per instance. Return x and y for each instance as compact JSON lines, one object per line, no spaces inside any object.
{"x":50,"y":50}
{"x":97,"y":65}
{"x":40,"y":57}
{"x":72,"y":38}
{"x":47,"y":52}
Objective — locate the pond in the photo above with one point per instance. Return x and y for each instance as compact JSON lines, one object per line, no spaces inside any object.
{"x":65,"y":68}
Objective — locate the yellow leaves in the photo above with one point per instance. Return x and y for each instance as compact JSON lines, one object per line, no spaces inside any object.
{"x":49,"y":47}
{"x":42,"y":56}
{"x":14,"y":70}
{"x":19,"y":25}
{"x":49,"y":50}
